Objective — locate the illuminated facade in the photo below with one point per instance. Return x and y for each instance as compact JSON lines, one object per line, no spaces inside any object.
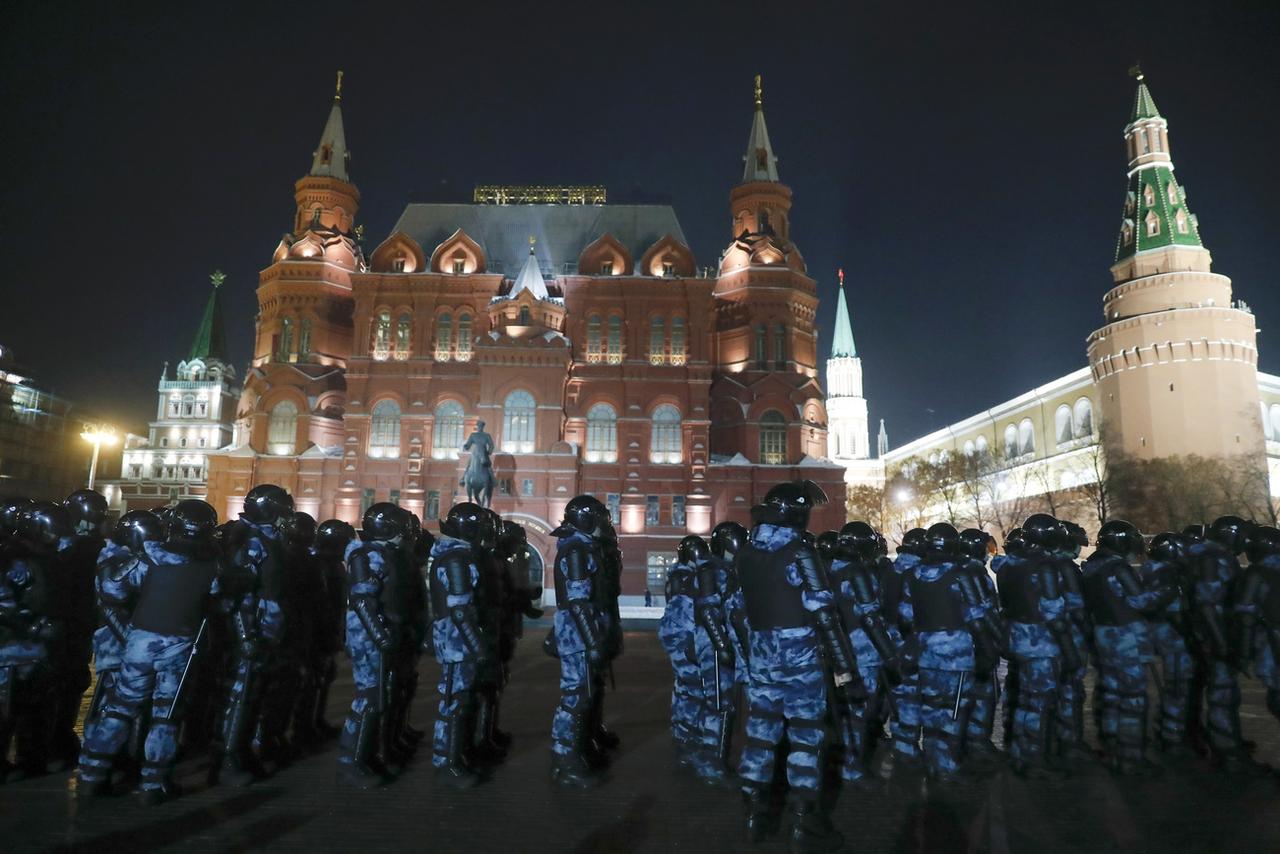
{"x":601,"y":358}
{"x":195,"y":415}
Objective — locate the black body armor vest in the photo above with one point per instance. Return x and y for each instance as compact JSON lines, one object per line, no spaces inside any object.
{"x":935,"y":606}
{"x":1019,"y":585}
{"x":1105,"y":607}
{"x":173,"y":596}
{"x":439,"y":587}
{"x":771,"y":602}
{"x":680,"y":582}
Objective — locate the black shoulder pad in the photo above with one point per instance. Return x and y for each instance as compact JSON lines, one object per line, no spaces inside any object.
{"x":457,"y":572}
{"x":811,"y":569}
{"x":577,"y":563}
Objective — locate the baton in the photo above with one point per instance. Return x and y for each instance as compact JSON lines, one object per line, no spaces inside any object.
{"x":955,"y":712}
{"x":586,"y":665}
{"x":715,"y":659}
{"x":1156,"y":680}
{"x":191,"y":657}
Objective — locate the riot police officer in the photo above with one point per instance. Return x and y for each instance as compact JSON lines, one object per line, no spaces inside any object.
{"x":727,"y":538}
{"x":371,"y":639}
{"x":976,"y":546}
{"x":1067,"y":734}
{"x":676,"y":633}
{"x":1257,"y":609}
{"x":1170,"y":628}
{"x":906,"y":695}
{"x":173,"y":586}
{"x":794,"y":628}
{"x":332,"y":538}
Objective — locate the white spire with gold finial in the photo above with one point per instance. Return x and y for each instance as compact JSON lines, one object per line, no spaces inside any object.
{"x":331,"y":157}
{"x":530,"y":277}
{"x":759,"y":163}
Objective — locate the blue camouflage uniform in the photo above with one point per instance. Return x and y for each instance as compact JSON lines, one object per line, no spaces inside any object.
{"x":25,"y":637}
{"x":1116,"y":601}
{"x":1068,"y":730}
{"x":172,"y":590}
{"x":115,"y":604}
{"x":715,"y":679}
{"x":787,"y":692}
{"x":935,"y":605}
{"x":1215,"y":570}
{"x":982,"y":687}
{"x":579,"y":636}
{"x":906,"y":694}
{"x":858,"y":600}
{"x":455,"y":640}
{"x":1168,"y":628}
{"x":735,"y":617}
{"x":370,"y":640}
{"x":1036,"y":625}
{"x":1257,"y":609}
{"x":676,"y":633}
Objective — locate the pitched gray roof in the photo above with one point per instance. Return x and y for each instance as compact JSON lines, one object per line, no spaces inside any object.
{"x":562,"y":231}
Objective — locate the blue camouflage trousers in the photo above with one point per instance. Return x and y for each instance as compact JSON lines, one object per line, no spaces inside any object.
{"x":368,"y":669}
{"x":787,"y":695}
{"x":906,"y":703}
{"x":1267,"y":671}
{"x":943,"y":712}
{"x":24,"y":682}
{"x":1176,"y":670}
{"x":716,"y":712}
{"x":456,"y":688}
{"x":575,"y":701}
{"x":981,"y":689}
{"x":854,"y":722}
{"x":151,"y":670}
{"x":1069,"y":709}
{"x":1037,"y":683}
{"x":1222,"y":691}
{"x":108,"y":654}
{"x":1122,"y":677}
{"x":687,"y":707}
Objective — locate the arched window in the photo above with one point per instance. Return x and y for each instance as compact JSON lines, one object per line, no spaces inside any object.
{"x":384,"y":430}
{"x":1010,"y":442}
{"x":286,"y":339}
{"x":404,"y":336}
{"x":282,"y":428}
{"x":446,"y":436}
{"x":519,"y":422}
{"x":1083,"y":418}
{"x":602,"y":434}
{"x":595,"y":343}
{"x":464,"y":338}
{"x":202,"y":407}
{"x":773,"y":438}
{"x":969,"y":449}
{"x":980,"y":445}
{"x":1026,"y":437}
{"x":1275,"y":418}
{"x":665,"y":442}
{"x":1153,"y":224}
{"x":1180,"y":218}
{"x":779,"y":347}
{"x":1126,"y":232}
{"x":657,"y":341}
{"x":175,"y":407}
{"x":526,"y":319}
{"x":382,"y":336}
{"x":1062,"y":426}
{"x":1171,"y":191}
{"x":614,"y":354}
{"x":444,"y":337}
{"x":762,"y":352}
{"x":304,"y":338}
{"x":677,"y":341}
{"x":188,"y":405}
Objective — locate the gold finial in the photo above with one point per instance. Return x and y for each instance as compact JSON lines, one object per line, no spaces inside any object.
{"x":532,"y":240}
{"x":840,"y":273}
{"x":759,"y":93}
{"x":1135,"y":71}
{"x":217,"y":277}
{"x":360,"y":233}
{"x":337,"y":92}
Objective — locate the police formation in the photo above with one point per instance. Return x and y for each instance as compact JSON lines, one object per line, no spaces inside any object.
{"x":224,"y":639}
{"x":828,"y":642}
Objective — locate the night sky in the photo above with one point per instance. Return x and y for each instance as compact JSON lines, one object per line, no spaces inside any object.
{"x":965,"y":166}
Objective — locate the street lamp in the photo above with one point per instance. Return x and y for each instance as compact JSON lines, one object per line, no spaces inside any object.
{"x":97,"y":435}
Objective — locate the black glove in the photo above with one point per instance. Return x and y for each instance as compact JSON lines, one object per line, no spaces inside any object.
{"x":549,"y":646}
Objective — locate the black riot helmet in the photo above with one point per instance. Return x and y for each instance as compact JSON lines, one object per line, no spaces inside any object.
{"x":137,"y":527}
{"x":88,"y":510}
{"x":827,"y":544}
{"x":882,"y":545}
{"x":301,"y":528}
{"x":977,"y":544}
{"x":333,"y":536}
{"x":727,"y":538}
{"x":1229,"y":531}
{"x":583,"y":513}
{"x":513,"y":536}
{"x":1168,"y":547}
{"x":267,"y":504}
{"x":466,"y":521}
{"x":1263,"y":541}
{"x":382,"y":522}
{"x":1075,"y":537}
{"x":42,"y":524}
{"x":693,"y":550}
{"x":942,"y":541}
{"x":1121,"y":538}
{"x":789,"y":504}
{"x":859,"y":540}
{"x":913,"y":542}
{"x":10,"y":510}
{"x":1194,"y":534}
{"x":1042,"y":531}
{"x":192,"y":523}
{"x":491,"y":529}
{"x":1015,"y":544}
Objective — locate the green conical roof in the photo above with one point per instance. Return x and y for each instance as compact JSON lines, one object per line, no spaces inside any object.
{"x":842,"y":343}
{"x":1144,"y":107}
{"x":211,"y":340}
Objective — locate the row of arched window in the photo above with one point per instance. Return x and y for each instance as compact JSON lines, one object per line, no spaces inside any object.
{"x":664,"y":350}
{"x":290,"y":327}
{"x":188,"y":406}
{"x":666,"y":444}
{"x":1070,"y":423}
{"x":395,"y":341}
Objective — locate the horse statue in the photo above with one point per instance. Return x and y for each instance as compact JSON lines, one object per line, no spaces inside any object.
{"x":478,"y":477}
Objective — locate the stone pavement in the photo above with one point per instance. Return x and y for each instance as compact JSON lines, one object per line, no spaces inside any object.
{"x":647,"y":805}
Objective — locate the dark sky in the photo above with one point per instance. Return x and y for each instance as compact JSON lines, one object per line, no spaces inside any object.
{"x":963,"y":162}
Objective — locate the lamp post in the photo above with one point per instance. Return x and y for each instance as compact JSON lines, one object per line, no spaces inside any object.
{"x":97,"y":435}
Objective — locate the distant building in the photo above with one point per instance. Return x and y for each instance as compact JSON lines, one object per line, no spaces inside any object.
{"x":601,"y":358}
{"x":41,"y":452}
{"x":1172,"y":372}
{"x":848,"y":432}
{"x":195,"y":414}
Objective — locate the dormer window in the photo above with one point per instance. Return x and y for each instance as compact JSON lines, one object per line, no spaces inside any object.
{"x":1126,"y":233}
{"x":1153,"y":224}
{"x":1172,"y":192}
{"x":326,"y":154}
{"x":1181,"y":220}
{"x":764,"y":221}
{"x":397,"y":266}
{"x":1148,"y":196}
{"x":1130,"y":204}
{"x":606,"y":269}
{"x":668,"y":269}
{"x":459,"y":266}
{"x":525,"y":318}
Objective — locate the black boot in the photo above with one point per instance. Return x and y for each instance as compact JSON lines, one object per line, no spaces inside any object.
{"x":455,"y":773}
{"x":811,"y":829}
{"x":573,"y":771}
{"x":359,"y":772}
{"x":761,"y":822}
{"x":238,"y":766}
